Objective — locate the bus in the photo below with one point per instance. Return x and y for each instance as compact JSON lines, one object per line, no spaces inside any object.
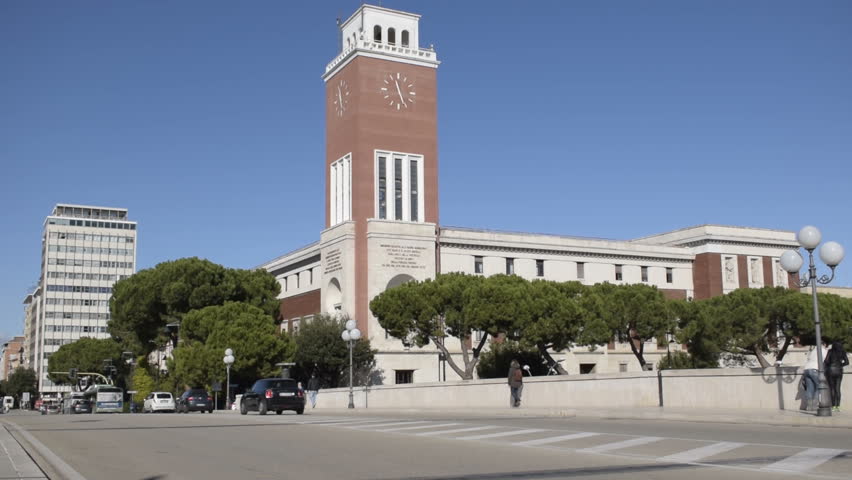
{"x":106,"y":398}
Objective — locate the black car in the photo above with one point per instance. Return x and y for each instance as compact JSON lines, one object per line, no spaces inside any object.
{"x":274,"y":394}
{"x":194,"y":400}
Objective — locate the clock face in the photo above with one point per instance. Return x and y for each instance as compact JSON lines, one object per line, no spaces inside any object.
{"x":398,"y":91}
{"x":340,"y":97}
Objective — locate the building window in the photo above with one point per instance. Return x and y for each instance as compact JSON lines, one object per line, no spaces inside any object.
{"x":392,"y":36}
{"x":397,"y":188}
{"x":377,"y":34}
{"x":412,"y":188}
{"x":581,"y":271}
{"x":406,"y":170}
{"x":383,"y":188}
{"x":539,"y":268}
{"x":618,"y":273}
{"x":644,"y":274}
{"x":404,"y":376}
{"x":311,"y":276}
{"x":477,"y":265}
{"x":669,"y":275}
{"x":510,"y":266}
{"x":405,"y":38}
{"x":340,"y":200}
{"x":587,"y":368}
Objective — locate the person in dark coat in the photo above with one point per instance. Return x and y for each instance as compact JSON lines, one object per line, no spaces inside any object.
{"x":313,"y":389}
{"x":835,"y":360}
{"x":516,"y":382}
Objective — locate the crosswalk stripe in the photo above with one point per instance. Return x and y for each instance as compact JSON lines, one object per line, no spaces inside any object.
{"x":804,"y":460}
{"x":619,"y":445}
{"x":697,"y":454}
{"x":389,"y":424}
{"x":455,"y":430}
{"x":415,"y":428}
{"x":545,"y":441}
{"x":501,"y":434}
{"x":350,"y":422}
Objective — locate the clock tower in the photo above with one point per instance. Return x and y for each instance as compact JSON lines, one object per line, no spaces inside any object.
{"x":381,"y":168}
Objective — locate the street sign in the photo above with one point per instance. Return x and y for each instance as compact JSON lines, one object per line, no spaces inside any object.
{"x":132,"y":391}
{"x":25,"y":397}
{"x":217,"y":386}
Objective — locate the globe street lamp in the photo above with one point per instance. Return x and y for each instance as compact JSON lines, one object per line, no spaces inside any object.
{"x":831,"y":254}
{"x":350,"y":336}
{"x":229,"y":360}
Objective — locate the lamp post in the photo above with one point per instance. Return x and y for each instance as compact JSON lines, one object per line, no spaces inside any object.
{"x":229,"y":360}
{"x":128,"y":358}
{"x":831,"y":254}
{"x":350,"y":336}
{"x":669,"y":341}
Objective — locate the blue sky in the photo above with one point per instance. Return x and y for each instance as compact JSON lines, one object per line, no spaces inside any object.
{"x":610,"y":119}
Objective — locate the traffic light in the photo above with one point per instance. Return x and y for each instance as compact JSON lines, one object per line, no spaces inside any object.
{"x":72,"y":373}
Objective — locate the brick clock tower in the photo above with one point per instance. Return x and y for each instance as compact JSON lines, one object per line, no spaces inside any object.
{"x":381,"y":167}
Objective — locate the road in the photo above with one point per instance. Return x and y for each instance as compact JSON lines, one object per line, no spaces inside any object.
{"x":408,"y":446}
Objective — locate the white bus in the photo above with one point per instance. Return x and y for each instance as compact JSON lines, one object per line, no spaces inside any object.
{"x":106,"y":398}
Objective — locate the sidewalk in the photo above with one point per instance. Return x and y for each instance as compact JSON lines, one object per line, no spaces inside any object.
{"x":703,"y":415}
{"x":14,"y":461}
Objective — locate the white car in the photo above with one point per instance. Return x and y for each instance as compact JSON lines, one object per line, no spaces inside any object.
{"x":159,"y":402}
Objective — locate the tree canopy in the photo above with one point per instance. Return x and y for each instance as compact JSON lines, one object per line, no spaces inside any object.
{"x":87,"y":355}
{"x":321,"y":350}
{"x":21,"y":380}
{"x":246,"y":329}
{"x":144,"y":303}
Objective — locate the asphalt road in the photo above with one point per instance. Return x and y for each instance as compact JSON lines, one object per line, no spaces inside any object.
{"x":413,"y":446}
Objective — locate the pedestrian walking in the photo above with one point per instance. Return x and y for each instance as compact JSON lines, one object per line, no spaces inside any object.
{"x":313,"y":389}
{"x":835,"y":360}
{"x":516,"y":382}
{"x":811,"y":378}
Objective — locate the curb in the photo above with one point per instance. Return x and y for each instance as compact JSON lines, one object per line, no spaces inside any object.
{"x":65,"y":471}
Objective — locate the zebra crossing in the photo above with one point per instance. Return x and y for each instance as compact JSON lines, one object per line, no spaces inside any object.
{"x":814,"y":462}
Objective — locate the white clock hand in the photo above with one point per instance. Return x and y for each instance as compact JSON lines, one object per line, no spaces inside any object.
{"x":340,"y":97}
{"x":400,"y":94}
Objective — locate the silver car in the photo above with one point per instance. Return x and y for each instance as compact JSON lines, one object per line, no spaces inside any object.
{"x":159,"y":402}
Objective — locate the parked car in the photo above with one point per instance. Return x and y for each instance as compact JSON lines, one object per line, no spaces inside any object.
{"x":195,"y":400}
{"x":83,"y":406}
{"x":51,"y":408}
{"x":159,"y":402}
{"x":70,"y":402}
{"x":273,"y":394}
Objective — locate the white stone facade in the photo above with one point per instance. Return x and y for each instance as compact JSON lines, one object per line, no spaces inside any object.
{"x":85,"y":250}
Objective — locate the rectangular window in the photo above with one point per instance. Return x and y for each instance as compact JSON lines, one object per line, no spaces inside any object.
{"x":406,"y":172}
{"x":581,"y":270}
{"x":412,"y":188}
{"x":477,"y":265}
{"x":340,"y":195}
{"x":669,"y":275}
{"x":404,"y":376}
{"x":510,"y":266}
{"x":397,"y":188}
{"x":539,"y":268}
{"x":618,"y":273}
{"x":644,"y":274}
{"x":383,"y":186}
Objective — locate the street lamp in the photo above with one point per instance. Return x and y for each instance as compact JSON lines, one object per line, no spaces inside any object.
{"x":229,"y":360}
{"x":670,"y":339}
{"x":128,"y":358}
{"x":350,"y":336}
{"x":831,"y":254}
